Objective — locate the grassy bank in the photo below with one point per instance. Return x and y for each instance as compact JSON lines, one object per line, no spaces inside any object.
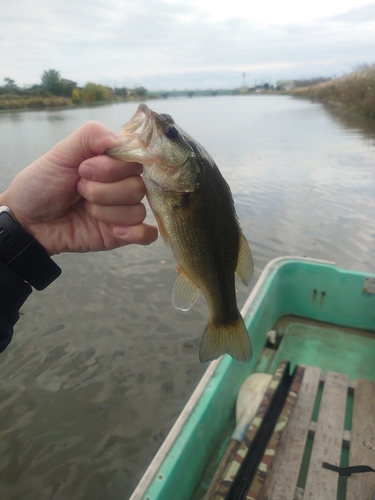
{"x":39,"y":97}
{"x":14,"y":101}
{"x":355,"y":91}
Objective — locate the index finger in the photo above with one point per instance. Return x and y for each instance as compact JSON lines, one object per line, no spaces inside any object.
{"x":106,"y":169}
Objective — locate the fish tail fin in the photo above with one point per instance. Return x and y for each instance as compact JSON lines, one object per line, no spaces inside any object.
{"x":231,"y":339}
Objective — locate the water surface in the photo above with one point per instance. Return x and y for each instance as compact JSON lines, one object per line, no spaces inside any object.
{"x":101,"y":363}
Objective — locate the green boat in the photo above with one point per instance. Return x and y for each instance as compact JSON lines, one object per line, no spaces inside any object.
{"x":311,"y":433}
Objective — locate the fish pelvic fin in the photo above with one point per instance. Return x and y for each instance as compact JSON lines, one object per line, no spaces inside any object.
{"x":185,"y":293}
{"x":245,"y":266}
{"x":231,"y":339}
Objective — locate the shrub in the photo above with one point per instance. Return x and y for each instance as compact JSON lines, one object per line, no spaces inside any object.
{"x":94,"y":93}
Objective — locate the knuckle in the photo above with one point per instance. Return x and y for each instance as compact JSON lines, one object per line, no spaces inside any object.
{"x":93,"y":126}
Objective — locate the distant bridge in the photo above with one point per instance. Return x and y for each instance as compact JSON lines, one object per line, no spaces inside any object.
{"x":190,"y":93}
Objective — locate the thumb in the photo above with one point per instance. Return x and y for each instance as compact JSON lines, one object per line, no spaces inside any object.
{"x":92,"y":139}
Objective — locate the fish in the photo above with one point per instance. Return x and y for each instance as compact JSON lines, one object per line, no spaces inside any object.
{"x":194,"y":209}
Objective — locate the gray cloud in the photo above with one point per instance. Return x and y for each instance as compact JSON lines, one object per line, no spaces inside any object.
{"x":160,"y":44}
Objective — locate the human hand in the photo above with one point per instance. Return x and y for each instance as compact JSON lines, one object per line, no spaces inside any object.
{"x":76,"y":199}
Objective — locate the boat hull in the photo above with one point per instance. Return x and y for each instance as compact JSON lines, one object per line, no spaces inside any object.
{"x":289,"y":286}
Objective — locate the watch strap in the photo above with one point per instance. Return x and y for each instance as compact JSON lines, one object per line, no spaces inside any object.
{"x":24,"y":255}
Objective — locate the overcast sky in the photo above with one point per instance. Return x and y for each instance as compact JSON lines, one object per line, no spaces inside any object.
{"x":179,"y":44}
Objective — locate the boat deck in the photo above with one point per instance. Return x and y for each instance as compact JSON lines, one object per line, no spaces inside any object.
{"x":333,"y":419}
{"x":297,"y":471}
{"x":314,"y":343}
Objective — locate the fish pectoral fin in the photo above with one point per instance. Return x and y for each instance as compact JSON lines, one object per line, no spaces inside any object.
{"x":245,"y":266}
{"x":185,"y":293}
{"x":231,"y":339}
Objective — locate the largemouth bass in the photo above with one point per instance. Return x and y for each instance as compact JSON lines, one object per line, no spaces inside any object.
{"x":194,"y":209}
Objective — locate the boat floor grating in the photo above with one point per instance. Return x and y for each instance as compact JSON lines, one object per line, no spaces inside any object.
{"x":297,"y":471}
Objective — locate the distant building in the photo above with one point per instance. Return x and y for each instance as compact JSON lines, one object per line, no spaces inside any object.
{"x":69,"y":82}
{"x":286,"y":84}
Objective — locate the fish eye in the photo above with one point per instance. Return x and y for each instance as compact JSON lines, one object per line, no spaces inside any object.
{"x":171,"y":132}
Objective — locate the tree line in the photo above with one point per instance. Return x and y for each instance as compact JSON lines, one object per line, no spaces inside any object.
{"x":53,"y":85}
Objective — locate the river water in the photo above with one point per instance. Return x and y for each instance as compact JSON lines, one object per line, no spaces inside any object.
{"x":101,"y":363}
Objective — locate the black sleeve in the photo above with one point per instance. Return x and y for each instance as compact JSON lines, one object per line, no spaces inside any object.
{"x":13,"y":293}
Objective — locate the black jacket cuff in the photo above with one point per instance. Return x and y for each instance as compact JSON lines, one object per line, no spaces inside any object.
{"x":13,"y":293}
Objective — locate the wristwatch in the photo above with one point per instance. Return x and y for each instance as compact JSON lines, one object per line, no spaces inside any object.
{"x":23,"y":254}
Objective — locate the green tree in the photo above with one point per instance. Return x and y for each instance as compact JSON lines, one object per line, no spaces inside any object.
{"x":92,"y":92}
{"x":10,"y":84}
{"x":140,"y":91}
{"x":122,"y":91}
{"x":51,"y":81}
{"x":10,"y":87}
{"x":76,"y":96}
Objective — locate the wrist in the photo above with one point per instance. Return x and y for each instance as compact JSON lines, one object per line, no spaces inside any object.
{"x":22,"y":253}
{"x":32,"y":229}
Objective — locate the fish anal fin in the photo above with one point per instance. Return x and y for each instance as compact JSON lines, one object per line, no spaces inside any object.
{"x":245,"y":266}
{"x":185,"y":293}
{"x":231,"y":339}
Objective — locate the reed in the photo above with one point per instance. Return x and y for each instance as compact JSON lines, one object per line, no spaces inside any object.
{"x":355,"y":91}
{"x":14,"y":101}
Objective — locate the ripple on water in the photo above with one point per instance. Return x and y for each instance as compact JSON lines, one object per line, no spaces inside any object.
{"x":101,"y":363}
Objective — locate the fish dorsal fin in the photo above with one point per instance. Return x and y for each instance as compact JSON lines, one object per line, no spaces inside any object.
{"x":185,"y":293}
{"x":245,"y":266}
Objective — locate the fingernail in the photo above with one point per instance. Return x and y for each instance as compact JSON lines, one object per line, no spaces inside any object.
{"x":87,"y":172}
{"x":87,"y":207}
{"x":79,"y":187}
{"x":121,"y":231}
{"x":119,"y":138}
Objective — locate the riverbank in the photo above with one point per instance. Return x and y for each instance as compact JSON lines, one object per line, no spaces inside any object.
{"x":21,"y":103}
{"x":24,"y":103}
{"x":355,"y":91}
{"x":14,"y":101}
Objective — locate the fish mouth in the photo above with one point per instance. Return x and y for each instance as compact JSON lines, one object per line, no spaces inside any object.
{"x":141,"y":133}
{"x":140,"y":126}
